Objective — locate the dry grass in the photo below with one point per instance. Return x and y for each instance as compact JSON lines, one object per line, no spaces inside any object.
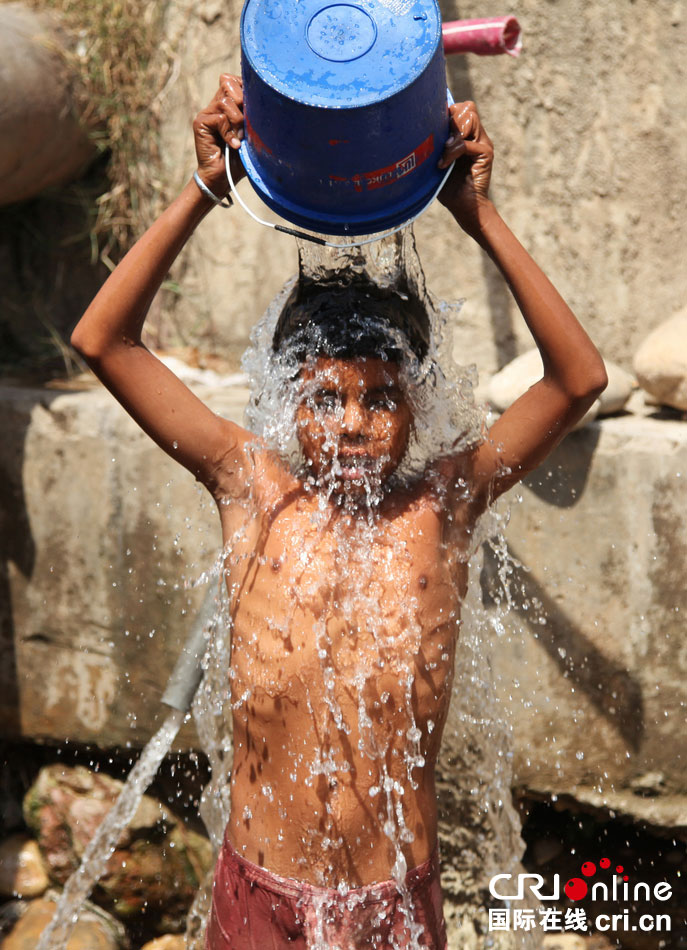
{"x":62,"y":242}
{"x":122,"y":63}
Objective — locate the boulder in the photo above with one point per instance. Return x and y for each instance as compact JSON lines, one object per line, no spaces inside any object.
{"x":661,"y":362}
{"x":168,"y":942}
{"x":615,"y":396}
{"x":22,"y":872}
{"x":41,"y":142}
{"x":157,"y":864}
{"x":516,"y":378}
{"x":94,"y":930}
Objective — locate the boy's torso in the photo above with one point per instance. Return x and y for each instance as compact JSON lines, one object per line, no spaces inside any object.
{"x":343,"y":643}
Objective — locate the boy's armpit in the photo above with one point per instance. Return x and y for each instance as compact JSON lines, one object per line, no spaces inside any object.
{"x":467,"y":484}
{"x":246,"y":468}
{"x":230,"y":472}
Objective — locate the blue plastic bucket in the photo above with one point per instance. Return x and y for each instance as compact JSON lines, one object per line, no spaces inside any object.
{"x":346,"y":110}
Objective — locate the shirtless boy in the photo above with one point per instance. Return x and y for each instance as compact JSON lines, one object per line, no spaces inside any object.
{"x":345,"y":582}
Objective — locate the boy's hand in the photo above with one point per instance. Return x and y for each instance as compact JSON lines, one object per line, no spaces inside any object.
{"x":221,"y":122}
{"x":468,"y":185}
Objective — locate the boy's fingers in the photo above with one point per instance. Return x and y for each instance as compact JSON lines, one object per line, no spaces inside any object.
{"x":215,"y":126}
{"x":223,"y":119}
{"x":466,"y":147}
{"x":455,"y":147}
{"x":231,"y":111}
{"x":478,"y":148}
{"x":465,"y":119}
{"x":231,"y":86}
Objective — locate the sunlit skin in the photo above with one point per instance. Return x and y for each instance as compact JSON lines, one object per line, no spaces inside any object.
{"x":309,"y":588}
{"x":354,"y":422}
{"x":382,"y":603}
{"x":291,"y":576}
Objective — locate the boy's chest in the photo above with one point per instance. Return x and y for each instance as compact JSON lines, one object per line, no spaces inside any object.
{"x":346,"y":596}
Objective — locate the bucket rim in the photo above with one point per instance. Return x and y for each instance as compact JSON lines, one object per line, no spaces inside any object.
{"x":339,"y":224}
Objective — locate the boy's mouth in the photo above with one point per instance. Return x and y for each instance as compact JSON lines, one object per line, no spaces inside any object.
{"x":356,"y":466}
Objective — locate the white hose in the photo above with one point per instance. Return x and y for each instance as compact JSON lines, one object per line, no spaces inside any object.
{"x":310,"y":237}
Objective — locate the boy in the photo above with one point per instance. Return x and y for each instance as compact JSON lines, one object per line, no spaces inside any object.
{"x":345,"y":581}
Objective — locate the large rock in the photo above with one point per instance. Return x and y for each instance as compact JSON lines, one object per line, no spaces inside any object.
{"x":525,"y":370}
{"x":41,"y":143}
{"x":157,"y":864}
{"x":22,"y":872}
{"x":591,"y":661}
{"x":167,"y":942}
{"x":661,"y":362}
{"x":101,"y":539}
{"x":617,"y":393}
{"x":516,"y":378}
{"x":94,"y":930}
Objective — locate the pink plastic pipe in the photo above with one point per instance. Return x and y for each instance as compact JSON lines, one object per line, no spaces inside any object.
{"x":487,"y":37}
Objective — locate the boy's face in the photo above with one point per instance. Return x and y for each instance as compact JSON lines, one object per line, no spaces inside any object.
{"x":353,"y":421}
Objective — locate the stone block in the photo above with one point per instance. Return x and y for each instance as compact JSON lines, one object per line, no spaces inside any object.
{"x":592,"y":662}
{"x":101,"y":534}
{"x":95,"y":929}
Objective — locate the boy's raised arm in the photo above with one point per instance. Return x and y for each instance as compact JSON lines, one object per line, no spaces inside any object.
{"x":574,"y":373}
{"x":108,"y":336}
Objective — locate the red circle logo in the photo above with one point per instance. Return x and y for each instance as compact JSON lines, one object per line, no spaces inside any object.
{"x":588,"y":868}
{"x":575,"y":889}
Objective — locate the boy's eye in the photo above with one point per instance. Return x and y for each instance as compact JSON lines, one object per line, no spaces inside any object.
{"x":325,"y":400}
{"x":382,"y":403}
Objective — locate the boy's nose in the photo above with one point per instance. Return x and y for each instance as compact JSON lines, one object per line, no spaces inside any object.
{"x":353,"y":418}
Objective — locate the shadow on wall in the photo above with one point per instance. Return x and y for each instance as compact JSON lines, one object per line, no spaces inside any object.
{"x":49,"y":273}
{"x":17,"y":549}
{"x":566,"y":489}
{"x":611,"y":689}
{"x":499,"y":299}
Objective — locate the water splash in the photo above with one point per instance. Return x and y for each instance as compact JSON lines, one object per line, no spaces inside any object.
{"x":102,"y":845}
{"x":361,"y":686}
{"x":373,"y":647}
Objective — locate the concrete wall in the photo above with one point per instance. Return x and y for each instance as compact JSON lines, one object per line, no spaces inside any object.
{"x":589,"y":129}
{"x":591,"y":136}
{"x":101,"y":531}
{"x":593,"y":664}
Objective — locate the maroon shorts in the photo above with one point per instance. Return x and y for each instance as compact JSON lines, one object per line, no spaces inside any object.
{"x":254,"y":909}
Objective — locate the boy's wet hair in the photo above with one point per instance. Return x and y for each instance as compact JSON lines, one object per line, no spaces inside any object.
{"x":349,"y":320}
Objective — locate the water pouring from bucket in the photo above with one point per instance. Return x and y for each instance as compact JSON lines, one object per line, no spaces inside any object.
{"x":346,"y":107}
